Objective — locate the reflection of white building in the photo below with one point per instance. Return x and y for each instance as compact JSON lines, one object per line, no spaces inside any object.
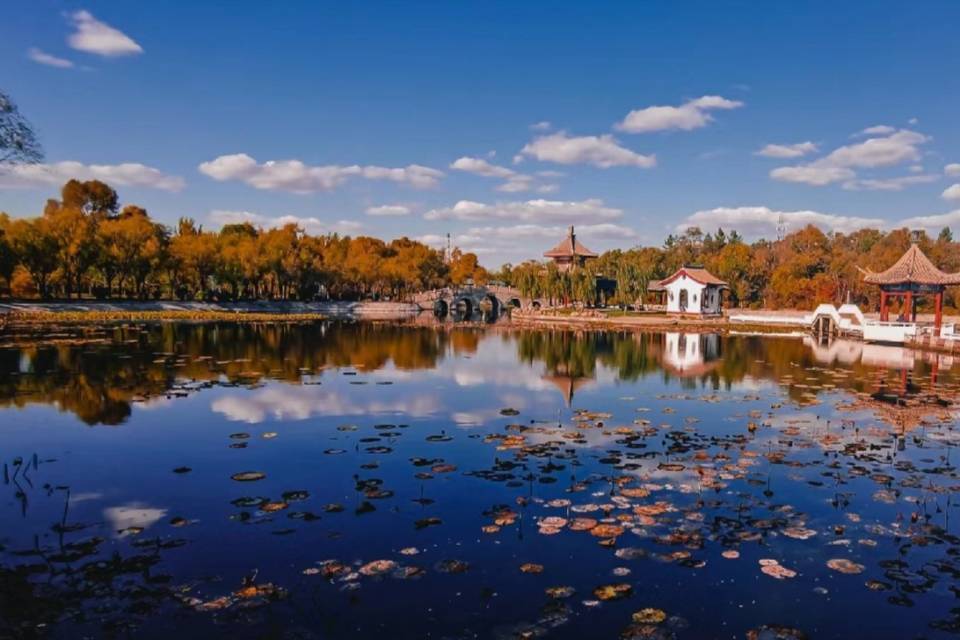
{"x":850,"y":352}
{"x":692,"y":290}
{"x":690,"y":354}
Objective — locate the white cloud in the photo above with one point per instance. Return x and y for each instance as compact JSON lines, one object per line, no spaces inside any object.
{"x":529,"y":211}
{"x":878,"y":130}
{"x":93,"y":36}
{"x":890,"y":150}
{"x":603,"y":230}
{"x":889,"y":184}
{"x":952,"y":169}
{"x":952,"y":192}
{"x":389,"y":210}
{"x":481,"y":167}
{"x":690,"y":115}
{"x":840,"y":164}
{"x":811,"y":174}
{"x":302,"y":403}
{"x":787,"y":150}
{"x":600,"y":151}
{"x":514,"y":242}
{"x":311,"y":225}
{"x":543,"y":125}
{"x":127,"y":174}
{"x":42,"y":57}
{"x":514,"y":182}
{"x":763,"y":221}
{"x":296,"y":177}
{"x":133,"y":514}
{"x":932,"y":224}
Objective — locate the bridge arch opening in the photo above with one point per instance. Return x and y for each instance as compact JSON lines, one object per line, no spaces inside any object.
{"x":514,"y":303}
{"x":464,"y":307}
{"x":441,"y":308}
{"x":536,"y":305}
{"x":489,"y":303}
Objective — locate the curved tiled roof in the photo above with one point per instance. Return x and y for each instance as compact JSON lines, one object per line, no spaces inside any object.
{"x":697,"y":274}
{"x":912,"y":268}
{"x":570,"y":247}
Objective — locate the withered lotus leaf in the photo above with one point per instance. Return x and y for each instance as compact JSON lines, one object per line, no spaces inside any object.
{"x":612,"y":591}
{"x":378,"y":567}
{"x":649,"y":615}
{"x":582,"y":524}
{"x":606,"y":531}
{"x":248,"y":476}
{"x":845,"y":566}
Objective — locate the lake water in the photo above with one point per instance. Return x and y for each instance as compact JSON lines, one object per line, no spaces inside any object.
{"x":382,"y":481}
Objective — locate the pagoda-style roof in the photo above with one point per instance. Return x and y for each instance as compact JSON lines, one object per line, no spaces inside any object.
{"x":567,"y":384}
{"x":569,"y":248}
{"x":912,"y":268}
{"x":697,"y":274}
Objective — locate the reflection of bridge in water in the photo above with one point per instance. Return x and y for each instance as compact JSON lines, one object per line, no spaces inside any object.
{"x":467,"y":300}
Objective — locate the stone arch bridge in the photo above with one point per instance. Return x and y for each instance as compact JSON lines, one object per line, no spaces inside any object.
{"x":468,"y":299}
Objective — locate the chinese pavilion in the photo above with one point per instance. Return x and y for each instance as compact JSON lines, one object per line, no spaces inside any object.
{"x":911,"y":277}
{"x":570,"y":253}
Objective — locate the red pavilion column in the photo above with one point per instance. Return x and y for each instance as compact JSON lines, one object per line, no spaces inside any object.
{"x":908,"y":306}
{"x":938,"y":314}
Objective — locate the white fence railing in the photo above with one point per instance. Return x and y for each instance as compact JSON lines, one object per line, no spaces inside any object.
{"x":893,"y":332}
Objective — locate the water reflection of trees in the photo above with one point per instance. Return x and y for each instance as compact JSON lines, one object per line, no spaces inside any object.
{"x":97,"y":380}
{"x":576,"y":354}
{"x":97,"y":373}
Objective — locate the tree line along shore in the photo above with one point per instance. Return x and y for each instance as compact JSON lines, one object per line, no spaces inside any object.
{"x":86,"y":246}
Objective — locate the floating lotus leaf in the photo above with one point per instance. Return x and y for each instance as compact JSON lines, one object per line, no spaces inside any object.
{"x":582,"y":524}
{"x":845,"y":566}
{"x":560,"y":592}
{"x":649,"y":616}
{"x":248,"y":476}
{"x":612,"y":591}
{"x":606,"y":531}
{"x":378,"y":567}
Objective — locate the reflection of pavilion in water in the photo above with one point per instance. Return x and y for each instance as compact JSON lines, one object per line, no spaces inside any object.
{"x":567,"y":383}
{"x":910,"y":399}
{"x":690,"y":354}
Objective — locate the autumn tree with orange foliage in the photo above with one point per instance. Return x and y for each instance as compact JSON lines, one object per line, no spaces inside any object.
{"x":804,"y":269}
{"x":86,"y":245}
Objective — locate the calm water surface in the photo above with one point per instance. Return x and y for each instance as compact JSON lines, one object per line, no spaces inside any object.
{"x":383,"y":481}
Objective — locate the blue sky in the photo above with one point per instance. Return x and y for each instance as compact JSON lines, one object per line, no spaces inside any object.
{"x":498,"y":122}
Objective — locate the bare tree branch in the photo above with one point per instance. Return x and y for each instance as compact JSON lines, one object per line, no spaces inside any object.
{"x":18,"y":141}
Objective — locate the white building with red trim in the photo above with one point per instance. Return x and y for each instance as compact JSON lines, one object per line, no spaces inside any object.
{"x":692,"y":291}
